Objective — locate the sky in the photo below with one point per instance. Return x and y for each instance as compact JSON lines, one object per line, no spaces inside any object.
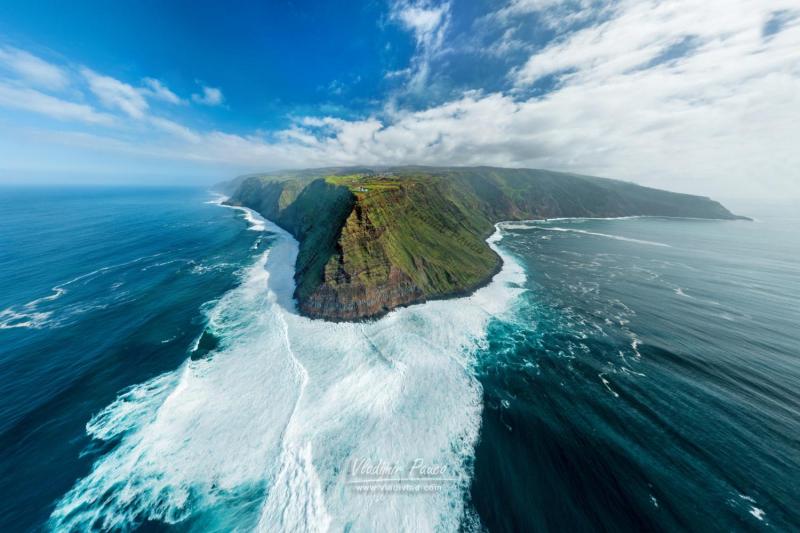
{"x":699,"y":96}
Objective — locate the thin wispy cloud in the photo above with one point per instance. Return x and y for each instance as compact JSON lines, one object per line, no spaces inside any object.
{"x":32,"y":69}
{"x":31,"y":100}
{"x":116,"y":94}
{"x":556,"y":14}
{"x":155,"y":89}
{"x":428,"y":22}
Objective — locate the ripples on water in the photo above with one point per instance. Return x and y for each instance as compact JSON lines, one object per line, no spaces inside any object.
{"x":648,"y":380}
{"x":101,"y":289}
{"x":629,"y":374}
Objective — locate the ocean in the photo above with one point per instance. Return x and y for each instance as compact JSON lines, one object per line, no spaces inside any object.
{"x":616,"y":375}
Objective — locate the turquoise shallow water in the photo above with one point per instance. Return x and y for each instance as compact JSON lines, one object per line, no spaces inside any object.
{"x":621,"y":375}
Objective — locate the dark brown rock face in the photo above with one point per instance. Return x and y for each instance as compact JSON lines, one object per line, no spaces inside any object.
{"x":356,"y":300}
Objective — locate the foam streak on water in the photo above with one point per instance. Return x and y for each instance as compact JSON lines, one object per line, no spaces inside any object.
{"x":512,"y":226}
{"x":261,"y":433}
{"x":30,"y":315}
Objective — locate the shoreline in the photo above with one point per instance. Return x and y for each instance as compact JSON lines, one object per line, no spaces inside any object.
{"x":260,"y":223}
{"x":460,"y":293}
{"x":490,"y":240}
{"x":464,"y":292}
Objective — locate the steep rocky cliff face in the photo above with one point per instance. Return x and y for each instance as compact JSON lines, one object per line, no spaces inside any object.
{"x":400,"y":245}
{"x":311,"y":210}
{"x":374,"y":240}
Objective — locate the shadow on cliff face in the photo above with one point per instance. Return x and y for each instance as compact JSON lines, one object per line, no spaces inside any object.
{"x":315,"y":218}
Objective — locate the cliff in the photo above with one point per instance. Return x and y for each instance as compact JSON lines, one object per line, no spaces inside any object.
{"x":372,"y":240}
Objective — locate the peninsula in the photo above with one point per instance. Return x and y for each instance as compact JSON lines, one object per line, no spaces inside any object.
{"x":376,"y":238}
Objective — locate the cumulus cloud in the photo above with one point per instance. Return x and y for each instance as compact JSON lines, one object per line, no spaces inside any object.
{"x":644,"y":29}
{"x":32,"y":69}
{"x":687,"y":96}
{"x":682,"y":90}
{"x":210,"y":96}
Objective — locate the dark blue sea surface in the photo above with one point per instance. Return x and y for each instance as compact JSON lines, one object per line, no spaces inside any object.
{"x":101,"y":289}
{"x":618,"y":375}
{"x":649,"y":379}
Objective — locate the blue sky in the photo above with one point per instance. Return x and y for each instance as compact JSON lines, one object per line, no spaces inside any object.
{"x":683,"y":94}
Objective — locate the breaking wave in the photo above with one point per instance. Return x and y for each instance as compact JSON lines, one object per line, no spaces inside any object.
{"x":260,"y":432}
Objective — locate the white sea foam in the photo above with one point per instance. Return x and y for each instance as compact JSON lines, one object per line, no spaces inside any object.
{"x":527,"y":223}
{"x":607,"y":385}
{"x":584,"y":232}
{"x":218,"y":198}
{"x":10,"y":319}
{"x":202,"y":269}
{"x":57,"y":293}
{"x":629,"y":217}
{"x":635,"y":343}
{"x":753,"y":510}
{"x":260,"y":434}
{"x":29,"y":315}
{"x":256,"y":222}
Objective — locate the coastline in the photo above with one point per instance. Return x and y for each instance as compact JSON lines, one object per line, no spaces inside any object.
{"x":260,"y":223}
{"x":469,"y":291}
{"x":421,"y":236}
{"x":463,"y":292}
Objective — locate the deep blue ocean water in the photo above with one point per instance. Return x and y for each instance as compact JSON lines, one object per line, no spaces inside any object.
{"x":101,"y":289}
{"x":619,"y":375}
{"x":651,"y":383}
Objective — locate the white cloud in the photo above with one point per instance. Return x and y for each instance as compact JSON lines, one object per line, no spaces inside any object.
{"x":32,"y":69}
{"x":421,"y":19}
{"x":642,"y":30}
{"x":635,"y":102}
{"x":428,"y":22}
{"x":116,"y":94}
{"x":175,"y":129}
{"x":719,"y":119}
{"x":155,"y":89}
{"x":556,"y":14}
{"x":714,"y":114}
{"x":31,"y":100}
{"x":210,"y":96}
